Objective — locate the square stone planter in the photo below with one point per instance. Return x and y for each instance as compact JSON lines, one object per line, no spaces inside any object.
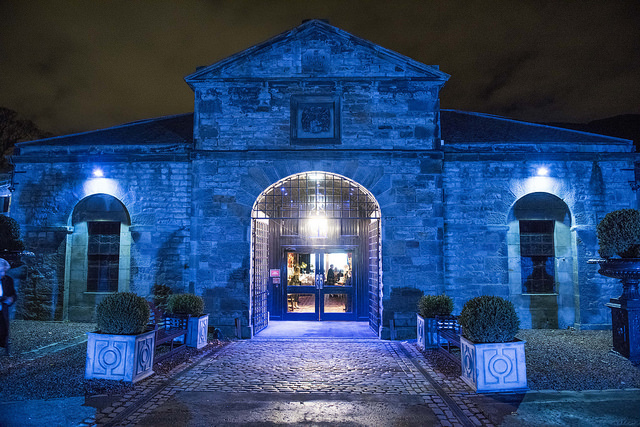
{"x":494,"y":367}
{"x":427,"y":331}
{"x":197,"y":331}
{"x":126,"y":358}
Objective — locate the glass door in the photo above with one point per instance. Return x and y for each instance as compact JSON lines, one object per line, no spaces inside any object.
{"x":319,"y":286}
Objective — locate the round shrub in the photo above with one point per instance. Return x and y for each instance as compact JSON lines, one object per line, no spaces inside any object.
{"x":185,"y":304}
{"x":435,"y":305}
{"x":123,"y":313}
{"x":619,"y":234}
{"x":161,"y":295}
{"x":489,"y":319}
{"x":10,"y":235}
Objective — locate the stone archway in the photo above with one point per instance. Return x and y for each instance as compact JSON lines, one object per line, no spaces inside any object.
{"x":541,"y":261}
{"x":301,"y":226}
{"x":98,"y":254}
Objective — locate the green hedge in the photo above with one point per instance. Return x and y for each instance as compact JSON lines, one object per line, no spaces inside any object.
{"x":123,"y":313}
{"x":489,"y":319}
{"x":185,"y":304}
{"x":619,"y":234}
{"x":435,"y":305}
{"x":10,"y":235}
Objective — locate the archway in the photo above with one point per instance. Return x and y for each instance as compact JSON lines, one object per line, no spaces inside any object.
{"x":541,"y":261}
{"x":315,"y":251}
{"x":98,"y":254}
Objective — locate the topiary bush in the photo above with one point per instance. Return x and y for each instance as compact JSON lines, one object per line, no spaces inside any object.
{"x":435,"y":305}
{"x":489,"y":319}
{"x":161,"y":294}
{"x":619,"y":234}
{"x":122,"y":313}
{"x":185,"y":304}
{"x":10,"y":235}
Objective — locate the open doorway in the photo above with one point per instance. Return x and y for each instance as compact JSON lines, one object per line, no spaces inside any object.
{"x":315,"y":251}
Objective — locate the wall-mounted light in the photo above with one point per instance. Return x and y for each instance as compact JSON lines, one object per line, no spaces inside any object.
{"x":98,"y":173}
{"x":542,"y":171}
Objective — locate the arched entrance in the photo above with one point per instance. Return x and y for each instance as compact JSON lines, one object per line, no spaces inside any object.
{"x":315,"y":251}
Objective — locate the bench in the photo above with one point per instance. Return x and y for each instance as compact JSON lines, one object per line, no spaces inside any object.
{"x":449,"y":332}
{"x":171,"y":332}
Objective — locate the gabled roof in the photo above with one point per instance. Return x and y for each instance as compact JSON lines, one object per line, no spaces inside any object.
{"x":464,"y":128}
{"x":162,"y":134}
{"x":314,"y":34}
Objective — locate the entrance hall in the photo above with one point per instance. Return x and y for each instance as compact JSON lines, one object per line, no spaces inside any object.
{"x":315,"y":252}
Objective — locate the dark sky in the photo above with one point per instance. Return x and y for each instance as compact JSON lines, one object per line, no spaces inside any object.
{"x":81,"y":65}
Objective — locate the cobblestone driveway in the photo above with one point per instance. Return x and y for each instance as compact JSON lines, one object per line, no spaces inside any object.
{"x":347,"y":381}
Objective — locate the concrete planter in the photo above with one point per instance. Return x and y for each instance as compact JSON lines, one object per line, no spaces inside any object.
{"x":197,"y":331}
{"x":126,"y":358}
{"x":427,"y":331}
{"x":494,"y":367}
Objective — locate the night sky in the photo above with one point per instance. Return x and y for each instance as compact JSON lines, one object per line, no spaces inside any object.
{"x":75,"y":66}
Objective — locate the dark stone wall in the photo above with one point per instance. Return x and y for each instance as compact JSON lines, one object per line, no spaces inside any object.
{"x":480,"y":193}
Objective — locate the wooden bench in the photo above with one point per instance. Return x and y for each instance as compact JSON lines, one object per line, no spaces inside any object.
{"x":171,"y":332}
{"x":449,"y":332}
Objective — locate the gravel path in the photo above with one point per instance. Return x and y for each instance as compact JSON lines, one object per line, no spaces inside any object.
{"x":556,"y":360}
{"x":33,"y":371}
{"x":565,"y":360}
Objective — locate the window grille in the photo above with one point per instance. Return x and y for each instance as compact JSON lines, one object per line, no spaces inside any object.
{"x":315,"y":193}
{"x":260,"y":314}
{"x":103,"y":255}
{"x":537,"y":257}
{"x":374,"y":274}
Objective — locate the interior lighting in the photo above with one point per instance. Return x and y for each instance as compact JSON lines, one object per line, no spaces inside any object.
{"x":318,"y":226}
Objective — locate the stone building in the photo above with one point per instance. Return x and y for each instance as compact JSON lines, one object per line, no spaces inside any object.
{"x":318,"y":178}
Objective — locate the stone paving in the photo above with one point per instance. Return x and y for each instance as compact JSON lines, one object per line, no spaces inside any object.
{"x":353,"y":367}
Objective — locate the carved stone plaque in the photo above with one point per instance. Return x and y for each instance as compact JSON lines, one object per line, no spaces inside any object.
{"x":315,"y":61}
{"x":315,"y":119}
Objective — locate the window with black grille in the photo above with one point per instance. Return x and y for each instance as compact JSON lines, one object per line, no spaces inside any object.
{"x":103,"y":256}
{"x":537,"y":257}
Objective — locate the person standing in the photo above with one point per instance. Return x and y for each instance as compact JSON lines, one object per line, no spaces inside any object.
{"x":7,"y":298}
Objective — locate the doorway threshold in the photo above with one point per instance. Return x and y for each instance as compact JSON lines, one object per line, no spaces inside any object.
{"x":280,"y":329}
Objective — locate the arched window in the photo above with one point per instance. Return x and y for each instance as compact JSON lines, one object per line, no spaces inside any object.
{"x":103,"y":216}
{"x":98,"y":254}
{"x":537,"y":215}
{"x":541,"y":268}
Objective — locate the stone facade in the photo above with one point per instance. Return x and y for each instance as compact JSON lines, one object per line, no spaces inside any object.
{"x":319,"y":99}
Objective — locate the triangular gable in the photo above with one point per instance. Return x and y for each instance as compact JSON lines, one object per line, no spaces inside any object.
{"x":316,"y":49}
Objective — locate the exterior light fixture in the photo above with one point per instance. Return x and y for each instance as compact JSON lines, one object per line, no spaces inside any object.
{"x":542,"y":171}
{"x":97,"y":173}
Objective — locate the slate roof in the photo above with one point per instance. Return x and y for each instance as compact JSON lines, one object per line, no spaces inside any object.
{"x":461,"y":129}
{"x":469,"y":127}
{"x":163,"y":133}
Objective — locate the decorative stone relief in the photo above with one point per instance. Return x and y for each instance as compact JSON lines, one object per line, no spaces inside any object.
{"x":315,"y":119}
{"x":120,"y":357}
{"x":315,"y":61}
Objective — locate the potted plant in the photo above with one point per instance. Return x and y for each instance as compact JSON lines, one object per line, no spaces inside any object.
{"x":492,"y":358}
{"x":619,"y":240}
{"x":198,"y":324}
{"x":430,"y":306}
{"x":123,"y":346}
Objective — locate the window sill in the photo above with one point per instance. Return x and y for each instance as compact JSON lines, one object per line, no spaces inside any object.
{"x":99,"y":292}
{"x":548,"y":294}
